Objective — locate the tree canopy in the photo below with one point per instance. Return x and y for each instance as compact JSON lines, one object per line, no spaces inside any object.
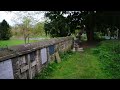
{"x":64,"y":23}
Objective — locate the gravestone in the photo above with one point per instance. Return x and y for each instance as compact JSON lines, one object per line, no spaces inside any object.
{"x":6,"y":70}
{"x":109,"y":34}
{"x":32,"y":56}
{"x":51,"y":49}
{"x":57,"y":57}
{"x":43,"y":55}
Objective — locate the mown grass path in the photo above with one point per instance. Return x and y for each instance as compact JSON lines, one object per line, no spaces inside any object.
{"x":77,"y":65}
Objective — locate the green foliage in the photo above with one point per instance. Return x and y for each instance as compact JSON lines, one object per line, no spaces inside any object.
{"x":46,"y":71}
{"x":109,"y":55}
{"x":98,"y":36}
{"x":95,"y":50}
{"x":64,"y":55}
{"x":58,"y":26}
{"x":5,"y":32}
{"x":38,"y":29}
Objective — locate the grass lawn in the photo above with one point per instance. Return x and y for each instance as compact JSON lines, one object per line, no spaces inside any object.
{"x":46,"y":37}
{"x":75,"y":65}
{"x":13,"y":42}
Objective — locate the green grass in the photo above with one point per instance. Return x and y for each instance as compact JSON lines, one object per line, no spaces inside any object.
{"x":75,"y":66}
{"x":13,"y":42}
{"x":38,"y":36}
{"x":32,"y":36}
{"x":108,"y":53}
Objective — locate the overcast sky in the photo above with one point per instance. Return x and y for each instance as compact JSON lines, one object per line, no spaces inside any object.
{"x":9,"y":16}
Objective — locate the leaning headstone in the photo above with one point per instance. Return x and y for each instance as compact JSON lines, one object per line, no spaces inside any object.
{"x":57,"y":57}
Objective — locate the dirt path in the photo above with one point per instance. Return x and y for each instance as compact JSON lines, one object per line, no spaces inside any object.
{"x":89,"y":44}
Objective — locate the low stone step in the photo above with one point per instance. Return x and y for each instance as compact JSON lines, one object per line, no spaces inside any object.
{"x":78,"y":49}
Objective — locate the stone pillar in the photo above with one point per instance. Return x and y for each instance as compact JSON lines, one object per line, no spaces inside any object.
{"x":29,"y":70}
{"x":38,"y":61}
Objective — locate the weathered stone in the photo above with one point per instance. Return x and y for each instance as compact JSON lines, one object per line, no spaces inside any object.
{"x":23,"y":69}
{"x":23,"y":75}
{"x":38,"y":63}
{"x":33,"y":63}
{"x":33,"y":71}
{"x":29,"y":70}
{"x":30,"y":59}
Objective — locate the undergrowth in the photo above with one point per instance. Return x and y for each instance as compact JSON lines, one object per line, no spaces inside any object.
{"x":108,"y":53}
{"x":52,"y":67}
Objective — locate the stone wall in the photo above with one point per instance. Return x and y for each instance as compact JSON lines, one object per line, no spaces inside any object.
{"x":25,"y":61}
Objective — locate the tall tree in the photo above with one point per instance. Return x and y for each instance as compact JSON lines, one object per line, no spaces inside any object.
{"x":39,"y":29}
{"x":57,"y":26}
{"x":5,"y":32}
{"x":26,"y":29}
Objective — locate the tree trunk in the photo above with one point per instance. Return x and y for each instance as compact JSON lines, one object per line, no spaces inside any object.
{"x":119,"y":34}
{"x":28,"y":39}
{"x":90,"y":35}
{"x":25,"y":39}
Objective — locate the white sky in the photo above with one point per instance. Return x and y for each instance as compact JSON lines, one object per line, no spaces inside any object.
{"x":8,"y":16}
